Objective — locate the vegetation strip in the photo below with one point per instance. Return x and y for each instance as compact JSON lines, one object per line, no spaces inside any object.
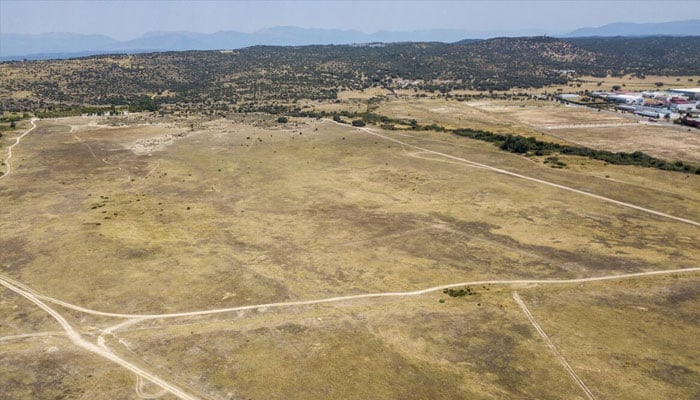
{"x":517,"y":144}
{"x":531,"y":146}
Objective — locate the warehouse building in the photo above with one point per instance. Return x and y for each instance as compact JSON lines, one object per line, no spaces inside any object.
{"x":691,"y":93}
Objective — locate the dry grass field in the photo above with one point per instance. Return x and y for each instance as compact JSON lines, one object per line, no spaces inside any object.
{"x":592,"y":83}
{"x":555,"y":122}
{"x":165,"y":216}
{"x":629,"y":83}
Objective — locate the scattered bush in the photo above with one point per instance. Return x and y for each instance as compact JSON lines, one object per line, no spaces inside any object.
{"x":459,"y":292}
{"x":554,"y":162}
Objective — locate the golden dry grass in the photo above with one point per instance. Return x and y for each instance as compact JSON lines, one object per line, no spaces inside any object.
{"x":554,"y":122}
{"x":160,"y":218}
{"x":51,"y":368}
{"x":628,"y":332}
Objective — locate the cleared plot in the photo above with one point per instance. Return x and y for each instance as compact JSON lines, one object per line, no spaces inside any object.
{"x":454,"y":114}
{"x":603,"y":130}
{"x":630,"y":339}
{"x":546,"y":115}
{"x":503,"y":116}
{"x":556,"y":123}
{"x":670,"y":143}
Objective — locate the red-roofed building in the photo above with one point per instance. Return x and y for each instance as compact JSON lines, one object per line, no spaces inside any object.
{"x":681,"y":105}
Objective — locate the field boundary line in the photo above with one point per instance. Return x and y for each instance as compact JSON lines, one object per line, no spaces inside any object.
{"x":552,"y":347}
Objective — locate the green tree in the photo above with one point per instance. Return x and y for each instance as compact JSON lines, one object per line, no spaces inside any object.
{"x":143,"y":103}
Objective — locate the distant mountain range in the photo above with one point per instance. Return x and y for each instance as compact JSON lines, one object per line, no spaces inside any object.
{"x":63,"y":45}
{"x":50,"y":45}
{"x":676,"y":28}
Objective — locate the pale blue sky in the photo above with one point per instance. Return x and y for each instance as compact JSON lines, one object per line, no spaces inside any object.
{"x":131,"y":18}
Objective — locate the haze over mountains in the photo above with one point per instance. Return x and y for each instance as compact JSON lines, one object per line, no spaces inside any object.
{"x":676,"y":28}
{"x":60,"y":45}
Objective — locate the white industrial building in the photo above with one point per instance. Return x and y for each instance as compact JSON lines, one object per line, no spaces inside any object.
{"x":690,"y":93}
{"x":626,"y":98}
{"x":651,"y":112}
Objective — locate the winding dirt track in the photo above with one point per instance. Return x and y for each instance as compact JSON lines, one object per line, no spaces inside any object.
{"x":8,"y":281}
{"x":9,"y":149}
{"x":78,"y":340}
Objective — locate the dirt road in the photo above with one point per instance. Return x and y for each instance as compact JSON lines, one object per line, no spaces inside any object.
{"x":529,"y":178}
{"x":75,"y":337}
{"x":8,"y":281}
{"x":9,"y":149}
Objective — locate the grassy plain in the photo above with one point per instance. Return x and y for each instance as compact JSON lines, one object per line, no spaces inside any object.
{"x":628,"y":332}
{"x":159,"y":216}
{"x":50,"y":368}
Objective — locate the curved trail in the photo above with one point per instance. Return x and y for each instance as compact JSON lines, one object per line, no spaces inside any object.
{"x":9,"y":282}
{"x":78,"y":340}
{"x":552,"y":347}
{"x":370,"y":131}
{"x":9,"y":149}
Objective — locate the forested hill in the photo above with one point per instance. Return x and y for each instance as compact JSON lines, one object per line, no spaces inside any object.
{"x":660,"y":55}
{"x":319,"y":72}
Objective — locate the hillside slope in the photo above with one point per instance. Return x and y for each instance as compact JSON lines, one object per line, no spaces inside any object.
{"x":319,"y":72}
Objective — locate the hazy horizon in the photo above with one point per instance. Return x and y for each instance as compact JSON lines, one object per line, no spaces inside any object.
{"x":124,"y":20}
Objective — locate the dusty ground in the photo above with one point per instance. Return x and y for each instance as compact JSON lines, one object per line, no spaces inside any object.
{"x":154,"y":218}
{"x":555,"y":122}
{"x":629,"y":83}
